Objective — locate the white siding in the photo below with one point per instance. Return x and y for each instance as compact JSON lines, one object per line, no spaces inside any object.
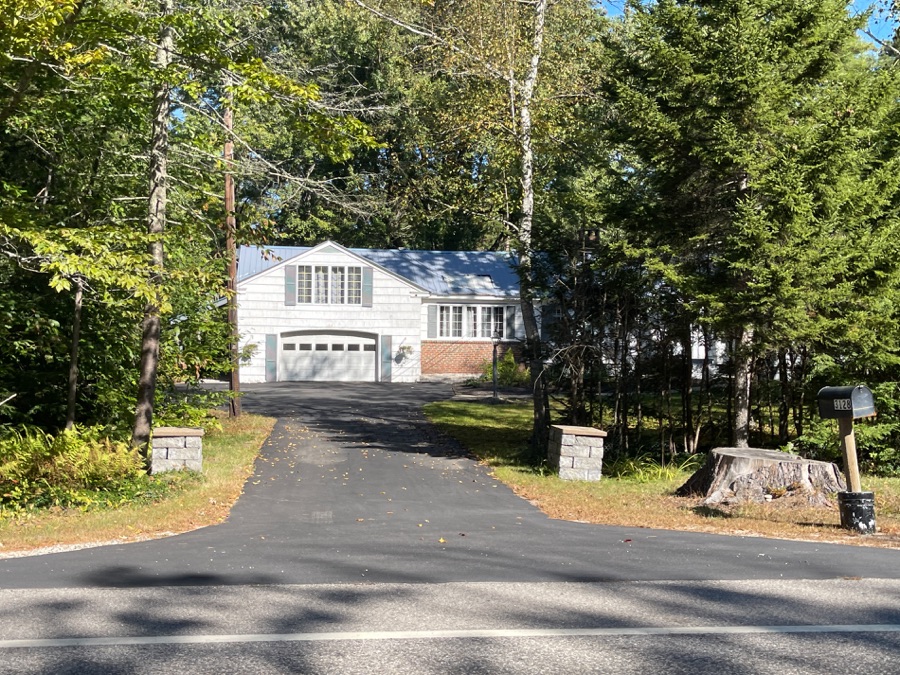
{"x":396,"y":311}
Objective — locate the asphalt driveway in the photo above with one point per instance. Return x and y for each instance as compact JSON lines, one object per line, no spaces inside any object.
{"x":354,"y":486}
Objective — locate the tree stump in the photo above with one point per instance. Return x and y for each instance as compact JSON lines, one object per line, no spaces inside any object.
{"x":733,"y":475}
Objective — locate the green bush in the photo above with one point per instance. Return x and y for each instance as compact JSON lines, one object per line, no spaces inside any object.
{"x":75,"y":469}
{"x":509,"y":373}
{"x":646,"y":468}
{"x":876,"y":444}
{"x":189,"y":407}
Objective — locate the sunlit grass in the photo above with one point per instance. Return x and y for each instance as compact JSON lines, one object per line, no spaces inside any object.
{"x":643,"y":496}
{"x":228,"y":457}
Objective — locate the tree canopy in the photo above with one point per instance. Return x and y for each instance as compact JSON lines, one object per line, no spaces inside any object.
{"x":704,"y":191}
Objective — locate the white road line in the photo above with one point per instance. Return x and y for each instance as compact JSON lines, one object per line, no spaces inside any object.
{"x":440,"y":634}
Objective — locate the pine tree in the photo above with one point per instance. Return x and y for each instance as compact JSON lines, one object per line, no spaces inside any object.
{"x":742,"y":121}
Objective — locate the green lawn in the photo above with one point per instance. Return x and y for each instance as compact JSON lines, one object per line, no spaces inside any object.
{"x":498,"y":435}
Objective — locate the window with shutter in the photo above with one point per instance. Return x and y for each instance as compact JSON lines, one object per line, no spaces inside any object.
{"x":304,"y":284}
{"x":472,"y":322}
{"x":354,"y":285}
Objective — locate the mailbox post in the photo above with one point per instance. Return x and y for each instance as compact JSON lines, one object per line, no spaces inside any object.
{"x":846,"y":404}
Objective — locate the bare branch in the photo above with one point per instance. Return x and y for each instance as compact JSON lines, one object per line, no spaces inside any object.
{"x":889,"y":46}
{"x":489,"y":68}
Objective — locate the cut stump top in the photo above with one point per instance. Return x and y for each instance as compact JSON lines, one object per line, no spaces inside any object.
{"x":758,"y":453}
{"x":757,"y":474}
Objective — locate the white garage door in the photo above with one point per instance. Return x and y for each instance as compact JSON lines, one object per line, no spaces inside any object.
{"x":327,"y":358}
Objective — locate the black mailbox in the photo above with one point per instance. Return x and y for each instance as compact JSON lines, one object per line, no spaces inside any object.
{"x":848,"y":402}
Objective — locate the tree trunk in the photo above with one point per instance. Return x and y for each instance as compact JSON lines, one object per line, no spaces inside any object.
{"x":687,"y":380}
{"x":743,"y":360}
{"x":729,"y":398}
{"x":799,"y":407}
{"x":637,"y":372}
{"x":234,"y":409}
{"x":785,"y":404}
{"x":704,"y":391}
{"x":754,"y":475}
{"x":577,"y":406}
{"x":541,"y":417}
{"x":156,"y":221}
{"x":73,"y":357}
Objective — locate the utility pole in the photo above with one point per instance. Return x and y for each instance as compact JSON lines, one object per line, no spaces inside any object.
{"x":234,"y":409}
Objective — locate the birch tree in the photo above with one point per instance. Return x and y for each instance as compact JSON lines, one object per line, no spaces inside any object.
{"x":495,"y":52}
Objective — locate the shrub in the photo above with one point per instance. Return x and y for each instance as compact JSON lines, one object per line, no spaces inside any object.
{"x":876,"y":444}
{"x":75,"y":469}
{"x":189,"y":407}
{"x":509,"y":373}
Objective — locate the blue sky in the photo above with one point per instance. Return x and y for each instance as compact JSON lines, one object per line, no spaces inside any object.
{"x":878,"y":25}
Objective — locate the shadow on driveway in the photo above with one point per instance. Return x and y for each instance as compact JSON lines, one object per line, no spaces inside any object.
{"x":354,"y":486}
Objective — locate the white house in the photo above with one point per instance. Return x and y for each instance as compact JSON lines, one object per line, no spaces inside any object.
{"x":373,"y":315}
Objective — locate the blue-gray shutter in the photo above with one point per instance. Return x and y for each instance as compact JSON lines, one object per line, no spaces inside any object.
{"x":511,"y":322}
{"x":271,"y":358}
{"x":387,"y":358}
{"x":432,"y":321}
{"x":366,"y":286}
{"x":290,"y":285}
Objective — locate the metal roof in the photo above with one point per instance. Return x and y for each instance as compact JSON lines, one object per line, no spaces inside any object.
{"x":444,"y":273}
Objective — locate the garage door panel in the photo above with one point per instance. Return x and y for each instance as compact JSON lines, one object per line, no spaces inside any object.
{"x":329,"y":358}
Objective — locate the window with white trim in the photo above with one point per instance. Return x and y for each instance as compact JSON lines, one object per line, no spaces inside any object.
{"x":338,"y":285}
{"x":354,"y":285}
{"x":304,"y":284}
{"x":324,"y":284}
{"x":321,"y":284}
{"x":450,"y":321}
{"x":472,"y":322}
{"x":492,"y":321}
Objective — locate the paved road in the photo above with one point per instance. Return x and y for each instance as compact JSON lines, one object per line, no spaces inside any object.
{"x":361,"y":523}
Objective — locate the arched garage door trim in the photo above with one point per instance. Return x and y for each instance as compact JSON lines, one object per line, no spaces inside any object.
{"x":349,"y":333}
{"x":329,"y":363}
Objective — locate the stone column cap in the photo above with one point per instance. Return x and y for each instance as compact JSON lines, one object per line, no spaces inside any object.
{"x":579,"y":431}
{"x":168,"y":432}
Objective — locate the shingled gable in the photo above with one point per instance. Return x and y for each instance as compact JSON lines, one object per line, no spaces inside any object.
{"x":444,"y":274}
{"x":254,"y":261}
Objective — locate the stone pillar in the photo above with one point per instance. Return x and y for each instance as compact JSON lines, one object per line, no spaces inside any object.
{"x":576,"y":452}
{"x":176,"y":448}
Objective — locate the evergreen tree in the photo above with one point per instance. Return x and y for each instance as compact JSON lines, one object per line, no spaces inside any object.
{"x":742,"y":125}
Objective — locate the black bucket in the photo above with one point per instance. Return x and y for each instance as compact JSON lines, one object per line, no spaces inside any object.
{"x":857,"y":511}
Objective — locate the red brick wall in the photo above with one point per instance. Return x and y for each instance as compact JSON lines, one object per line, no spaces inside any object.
{"x":461,"y":358}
